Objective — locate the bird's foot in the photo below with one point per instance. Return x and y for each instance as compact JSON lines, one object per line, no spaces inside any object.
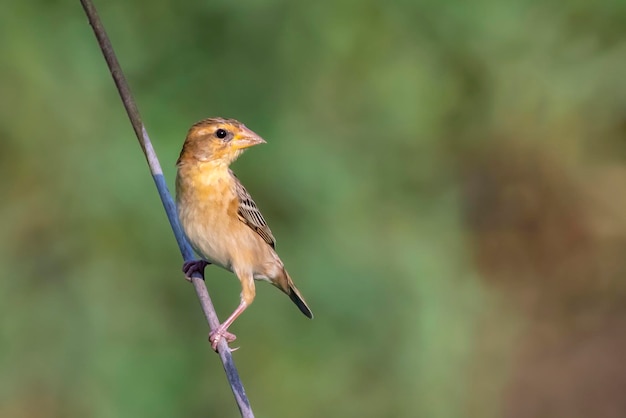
{"x":191,"y":267}
{"x":218,"y":334}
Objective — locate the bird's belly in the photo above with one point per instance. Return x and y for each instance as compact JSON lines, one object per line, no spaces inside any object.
{"x":236,"y":249}
{"x":222,"y":239}
{"x":213,"y":243}
{"x":206,"y":226}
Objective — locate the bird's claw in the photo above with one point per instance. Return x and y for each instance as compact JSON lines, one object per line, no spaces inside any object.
{"x":190,"y":267}
{"x":218,"y":334}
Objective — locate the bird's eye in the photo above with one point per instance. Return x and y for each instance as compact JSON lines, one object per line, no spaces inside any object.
{"x":221,"y":133}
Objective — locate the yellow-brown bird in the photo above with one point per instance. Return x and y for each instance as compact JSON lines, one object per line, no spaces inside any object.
{"x":220,"y":219}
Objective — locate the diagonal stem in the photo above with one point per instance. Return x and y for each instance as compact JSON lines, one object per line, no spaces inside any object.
{"x":168,"y":202}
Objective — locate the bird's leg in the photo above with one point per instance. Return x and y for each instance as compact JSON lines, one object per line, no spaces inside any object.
{"x":221,"y":331}
{"x":248,"y":292}
{"x":193,"y":266}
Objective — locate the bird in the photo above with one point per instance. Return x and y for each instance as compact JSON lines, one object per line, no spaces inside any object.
{"x":221,"y":220}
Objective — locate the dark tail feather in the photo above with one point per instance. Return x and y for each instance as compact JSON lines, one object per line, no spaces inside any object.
{"x":295,"y":296}
{"x":284,"y":283}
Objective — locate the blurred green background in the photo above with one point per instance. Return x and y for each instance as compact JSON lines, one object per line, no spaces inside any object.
{"x":446,"y":181}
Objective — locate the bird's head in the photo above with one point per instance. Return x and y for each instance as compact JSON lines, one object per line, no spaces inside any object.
{"x":217,"y":139}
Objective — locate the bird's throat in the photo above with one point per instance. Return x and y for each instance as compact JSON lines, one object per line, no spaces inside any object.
{"x":202,"y":179}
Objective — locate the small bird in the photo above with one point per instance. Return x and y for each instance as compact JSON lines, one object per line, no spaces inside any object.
{"x":220,"y":219}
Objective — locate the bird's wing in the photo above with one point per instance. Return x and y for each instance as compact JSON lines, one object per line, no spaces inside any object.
{"x":251,"y":215}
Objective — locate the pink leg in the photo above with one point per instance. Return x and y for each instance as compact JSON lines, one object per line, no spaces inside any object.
{"x":221,"y":331}
{"x":191,"y":267}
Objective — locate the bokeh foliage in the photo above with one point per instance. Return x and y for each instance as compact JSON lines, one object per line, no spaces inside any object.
{"x":445,"y":180}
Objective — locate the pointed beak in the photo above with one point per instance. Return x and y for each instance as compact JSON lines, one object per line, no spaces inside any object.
{"x":246,"y":139}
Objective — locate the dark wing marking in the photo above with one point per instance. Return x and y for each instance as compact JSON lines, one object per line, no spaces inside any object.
{"x":251,"y":215}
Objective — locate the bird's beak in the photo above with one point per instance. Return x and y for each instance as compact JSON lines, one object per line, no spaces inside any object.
{"x":246,"y":139}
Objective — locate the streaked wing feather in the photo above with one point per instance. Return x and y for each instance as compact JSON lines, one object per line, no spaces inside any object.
{"x":251,"y":215}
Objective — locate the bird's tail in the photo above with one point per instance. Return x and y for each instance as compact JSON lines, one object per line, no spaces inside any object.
{"x":294,"y":294}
